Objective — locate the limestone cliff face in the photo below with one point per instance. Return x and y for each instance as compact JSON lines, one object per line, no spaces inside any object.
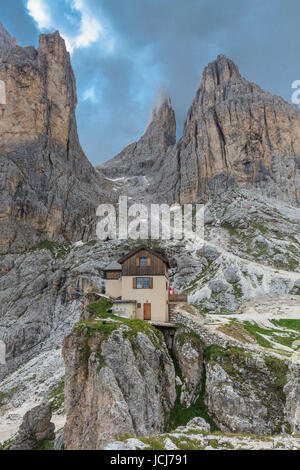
{"x":49,"y":190}
{"x":119,"y":379}
{"x":238,"y":135}
{"x":138,"y":158}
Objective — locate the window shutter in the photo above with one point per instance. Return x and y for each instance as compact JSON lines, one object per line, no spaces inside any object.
{"x":151,"y":283}
{"x":137,"y":261}
{"x":134,"y":282}
{"x":148,"y":262}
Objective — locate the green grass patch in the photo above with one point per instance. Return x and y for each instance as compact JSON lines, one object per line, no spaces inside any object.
{"x":291,"y":324}
{"x":100,"y":308}
{"x":46,"y":444}
{"x":180,"y":416}
{"x":279,"y":370}
{"x":274,"y":334}
{"x":57,"y":250}
{"x":214,"y":352}
{"x":255,"y":331}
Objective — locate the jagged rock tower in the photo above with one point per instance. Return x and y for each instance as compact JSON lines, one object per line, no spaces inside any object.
{"x":49,"y":190}
{"x":139,"y":157}
{"x":236,"y":134}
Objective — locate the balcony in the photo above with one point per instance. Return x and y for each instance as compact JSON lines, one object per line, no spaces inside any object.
{"x":178,"y":298}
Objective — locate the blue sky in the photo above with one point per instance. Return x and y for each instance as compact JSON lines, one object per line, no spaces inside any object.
{"x":123,"y":50}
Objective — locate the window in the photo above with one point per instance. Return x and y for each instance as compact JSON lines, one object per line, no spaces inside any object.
{"x":143,"y":261}
{"x":143,"y":282}
{"x":139,"y":305}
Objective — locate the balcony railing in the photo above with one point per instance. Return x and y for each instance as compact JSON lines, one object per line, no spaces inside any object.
{"x":177,"y":298}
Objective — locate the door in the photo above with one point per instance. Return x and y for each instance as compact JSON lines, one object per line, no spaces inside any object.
{"x":147,"y":311}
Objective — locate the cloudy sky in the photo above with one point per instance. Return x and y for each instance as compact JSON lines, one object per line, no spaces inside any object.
{"x":123,"y":50}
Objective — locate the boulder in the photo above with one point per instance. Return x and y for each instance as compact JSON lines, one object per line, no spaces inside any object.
{"x":218,"y":286}
{"x":36,"y":426}
{"x":208,"y":252}
{"x":232,"y":275}
{"x":199,"y":424}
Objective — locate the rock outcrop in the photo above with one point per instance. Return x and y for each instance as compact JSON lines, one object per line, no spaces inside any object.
{"x":139,"y":157}
{"x":245,"y":391}
{"x":48,"y":188}
{"x":36,"y":427}
{"x":188,"y":351}
{"x":119,"y":380}
{"x":248,"y":388}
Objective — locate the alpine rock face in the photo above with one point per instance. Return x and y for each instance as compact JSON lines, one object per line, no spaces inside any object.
{"x":235,"y":135}
{"x":238,"y":135}
{"x":49,"y":190}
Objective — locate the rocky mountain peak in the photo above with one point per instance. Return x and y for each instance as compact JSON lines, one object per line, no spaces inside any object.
{"x":218,"y":73}
{"x":7,"y":41}
{"x":139,"y":157}
{"x":161,"y":110}
{"x":162,"y":124}
{"x":53,"y":44}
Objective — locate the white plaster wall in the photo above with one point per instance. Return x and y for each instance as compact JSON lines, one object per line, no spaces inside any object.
{"x":157,"y":297}
{"x":125,"y":310}
{"x":113,"y":288}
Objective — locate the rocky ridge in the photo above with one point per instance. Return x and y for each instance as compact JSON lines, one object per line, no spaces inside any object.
{"x":112,"y":365}
{"x":131,"y":170}
{"x":236,"y":136}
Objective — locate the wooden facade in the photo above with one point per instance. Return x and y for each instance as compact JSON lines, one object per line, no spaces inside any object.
{"x":112,"y":274}
{"x":156,"y":266}
{"x":178,"y":298}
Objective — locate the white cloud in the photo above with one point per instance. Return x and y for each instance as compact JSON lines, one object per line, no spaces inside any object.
{"x":90,"y":95}
{"x":90,"y":29}
{"x":40,"y":13}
